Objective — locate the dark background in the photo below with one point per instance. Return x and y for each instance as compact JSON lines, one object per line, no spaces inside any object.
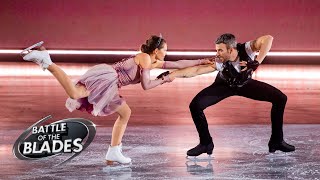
{"x":186,"y":24}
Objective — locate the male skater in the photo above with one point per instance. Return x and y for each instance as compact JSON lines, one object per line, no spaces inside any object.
{"x":236,"y":63}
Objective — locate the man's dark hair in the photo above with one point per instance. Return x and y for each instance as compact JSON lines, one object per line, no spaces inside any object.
{"x":227,"y":39}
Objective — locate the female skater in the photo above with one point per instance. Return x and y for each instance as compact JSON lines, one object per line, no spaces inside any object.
{"x":97,"y":90}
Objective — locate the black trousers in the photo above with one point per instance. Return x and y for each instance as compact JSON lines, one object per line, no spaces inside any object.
{"x":254,"y":89}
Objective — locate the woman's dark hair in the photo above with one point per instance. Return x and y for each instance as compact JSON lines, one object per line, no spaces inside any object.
{"x":152,"y":43}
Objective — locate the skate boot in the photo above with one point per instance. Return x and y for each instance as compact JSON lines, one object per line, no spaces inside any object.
{"x":41,"y":57}
{"x":199,"y":149}
{"x":114,"y":154}
{"x":282,"y":146}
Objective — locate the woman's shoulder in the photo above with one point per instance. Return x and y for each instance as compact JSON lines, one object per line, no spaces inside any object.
{"x":143,"y":59}
{"x":142,"y":56}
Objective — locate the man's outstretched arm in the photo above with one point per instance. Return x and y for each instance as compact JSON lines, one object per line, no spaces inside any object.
{"x":193,"y":71}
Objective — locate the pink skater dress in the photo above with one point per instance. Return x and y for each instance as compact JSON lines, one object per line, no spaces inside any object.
{"x":103,"y":82}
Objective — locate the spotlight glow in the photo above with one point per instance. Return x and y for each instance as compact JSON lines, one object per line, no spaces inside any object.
{"x":170,"y":53}
{"x":281,"y":72}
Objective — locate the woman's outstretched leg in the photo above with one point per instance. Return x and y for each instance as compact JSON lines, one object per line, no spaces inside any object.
{"x":114,"y":153}
{"x":74,"y":91}
{"x":42,"y":58}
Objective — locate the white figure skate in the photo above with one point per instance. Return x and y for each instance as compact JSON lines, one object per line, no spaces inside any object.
{"x":114,"y":154}
{"x":41,"y":57}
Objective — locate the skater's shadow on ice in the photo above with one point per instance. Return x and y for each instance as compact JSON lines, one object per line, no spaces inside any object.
{"x":120,"y":172}
{"x":199,"y":167}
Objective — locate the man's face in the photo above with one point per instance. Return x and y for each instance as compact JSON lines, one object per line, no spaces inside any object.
{"x":222,"y":52}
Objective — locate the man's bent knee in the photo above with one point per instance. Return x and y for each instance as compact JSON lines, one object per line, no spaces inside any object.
{"x":194,"y":106}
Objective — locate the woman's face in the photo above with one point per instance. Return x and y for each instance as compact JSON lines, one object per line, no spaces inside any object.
{"x":161,"y":53}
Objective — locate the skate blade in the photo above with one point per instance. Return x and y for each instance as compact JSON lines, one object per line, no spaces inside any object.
{"x":115,"y":163}
{"x":199,"y":159}
{"x":27,"y":50}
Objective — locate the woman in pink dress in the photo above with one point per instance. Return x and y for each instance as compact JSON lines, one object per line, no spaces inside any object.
{"x":97,"y":91}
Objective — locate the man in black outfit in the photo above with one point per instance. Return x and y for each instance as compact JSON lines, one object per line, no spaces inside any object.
{"x":236,"y":63}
